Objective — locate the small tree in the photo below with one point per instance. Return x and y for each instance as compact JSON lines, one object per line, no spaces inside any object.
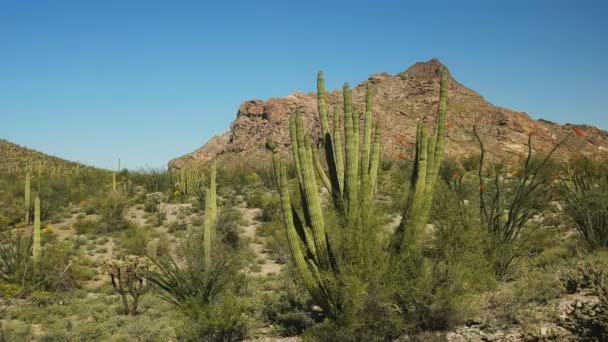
{"x":128,"y":279}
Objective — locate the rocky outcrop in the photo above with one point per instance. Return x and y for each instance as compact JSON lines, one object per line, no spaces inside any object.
{"x":399,"y":101}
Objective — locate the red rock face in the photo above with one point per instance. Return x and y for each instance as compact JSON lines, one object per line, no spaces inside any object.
{"x":399,"y":101}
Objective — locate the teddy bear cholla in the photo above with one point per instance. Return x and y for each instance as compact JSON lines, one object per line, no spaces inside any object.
{"x":128,"y":278}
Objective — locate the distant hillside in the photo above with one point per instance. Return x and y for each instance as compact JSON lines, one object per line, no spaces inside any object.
{"x":14,"y":158}
{"x":399,"y":101}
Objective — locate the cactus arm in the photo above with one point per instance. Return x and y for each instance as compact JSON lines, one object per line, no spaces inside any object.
{"x":322,"y":107}
{"x":292,"y":236}
{"x":351,"y":176}
{"x":337,"y":153}
{"x":320,"y":171}
{"x":375,"y":161}
{"x":294,"y":146}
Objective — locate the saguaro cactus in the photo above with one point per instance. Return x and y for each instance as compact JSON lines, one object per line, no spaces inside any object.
{"x":27,"y":197}
{"x":210,"y":215}
{"x":36,"y":249}
{"x":429,"y":154}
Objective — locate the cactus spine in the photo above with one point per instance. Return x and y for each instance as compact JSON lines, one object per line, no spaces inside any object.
{"x":429,"y":154}
{"x":27,"y":200}
{"x":210,"y":215}
{"x":36,"y":243}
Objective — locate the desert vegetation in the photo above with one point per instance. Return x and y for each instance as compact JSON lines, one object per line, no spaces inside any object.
{"x":326,"y":239}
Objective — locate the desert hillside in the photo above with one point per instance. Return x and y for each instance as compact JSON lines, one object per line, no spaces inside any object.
{"x":399,"y":102}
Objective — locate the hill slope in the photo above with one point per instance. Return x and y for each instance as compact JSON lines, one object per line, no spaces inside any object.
{"x":14,"y":158}
{"x":399,"y":101}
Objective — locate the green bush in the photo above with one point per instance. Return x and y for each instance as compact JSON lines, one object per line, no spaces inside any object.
{"x":112,"y":211}
{"x":225,"y":320}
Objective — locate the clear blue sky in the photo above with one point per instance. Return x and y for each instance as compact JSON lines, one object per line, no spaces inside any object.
{"x":146,"y":81}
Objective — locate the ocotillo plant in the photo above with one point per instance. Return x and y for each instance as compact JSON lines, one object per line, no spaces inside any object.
{"x":36,"y":249}
{"x":210,"y":215}
{"x":27,"y":197}
{"x":429,"y":155}
{"x":352,"y":188}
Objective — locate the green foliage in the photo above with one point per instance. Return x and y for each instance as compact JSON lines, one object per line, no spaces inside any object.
{"x":585,"y":195}
{"x":112,"y":212}
{"x":189,"y":278}
{"x":510,"y":200}
{"x":134,"y":241}
{"x":228,"y":225}
{"x":225,"y":320}
{"x":287,"y":308}
{"x":15,"y":255}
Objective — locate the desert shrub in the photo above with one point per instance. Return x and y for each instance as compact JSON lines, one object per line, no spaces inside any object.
{"x":134,"y":241}
{"x":177,"y":226}
{"x":438,"y":289}
{"x":225,"y":320}
{"x":60,"y":270}
{"x":15,"y":255}
{"x":288,"y":308}
{"x":112,"y":212}
{"x":268,"y":202}
{"x":187,"y":278}
{"x":227,"y":226}
{"x":584,"y":192}
{"x":84,"y":226}
{"x":154,"y":180}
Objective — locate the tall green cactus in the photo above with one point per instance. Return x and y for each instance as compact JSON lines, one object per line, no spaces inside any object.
{"x":352,"y":186}
{"x":352,"y":178}
{"x":26,"y":196}
{"x":210,"y":215}
{"x":36,"y":243}
{"x":189,"y":180}
{"x":429,"y":155}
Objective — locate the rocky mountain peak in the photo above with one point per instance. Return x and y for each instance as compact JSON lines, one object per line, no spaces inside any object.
{"x":399,"y":101}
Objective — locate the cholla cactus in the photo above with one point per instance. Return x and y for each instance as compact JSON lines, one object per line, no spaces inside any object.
{"x":128,"y":279}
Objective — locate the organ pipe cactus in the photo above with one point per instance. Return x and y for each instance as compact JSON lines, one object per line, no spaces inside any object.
{"x":352,"y":177}
{"x":210,"y":215}
{"x":36,"y":249}
{"x":429,"y":154}
{"x":189,"y":180}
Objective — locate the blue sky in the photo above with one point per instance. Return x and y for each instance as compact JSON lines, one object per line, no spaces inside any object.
{"x":146,"y":81}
